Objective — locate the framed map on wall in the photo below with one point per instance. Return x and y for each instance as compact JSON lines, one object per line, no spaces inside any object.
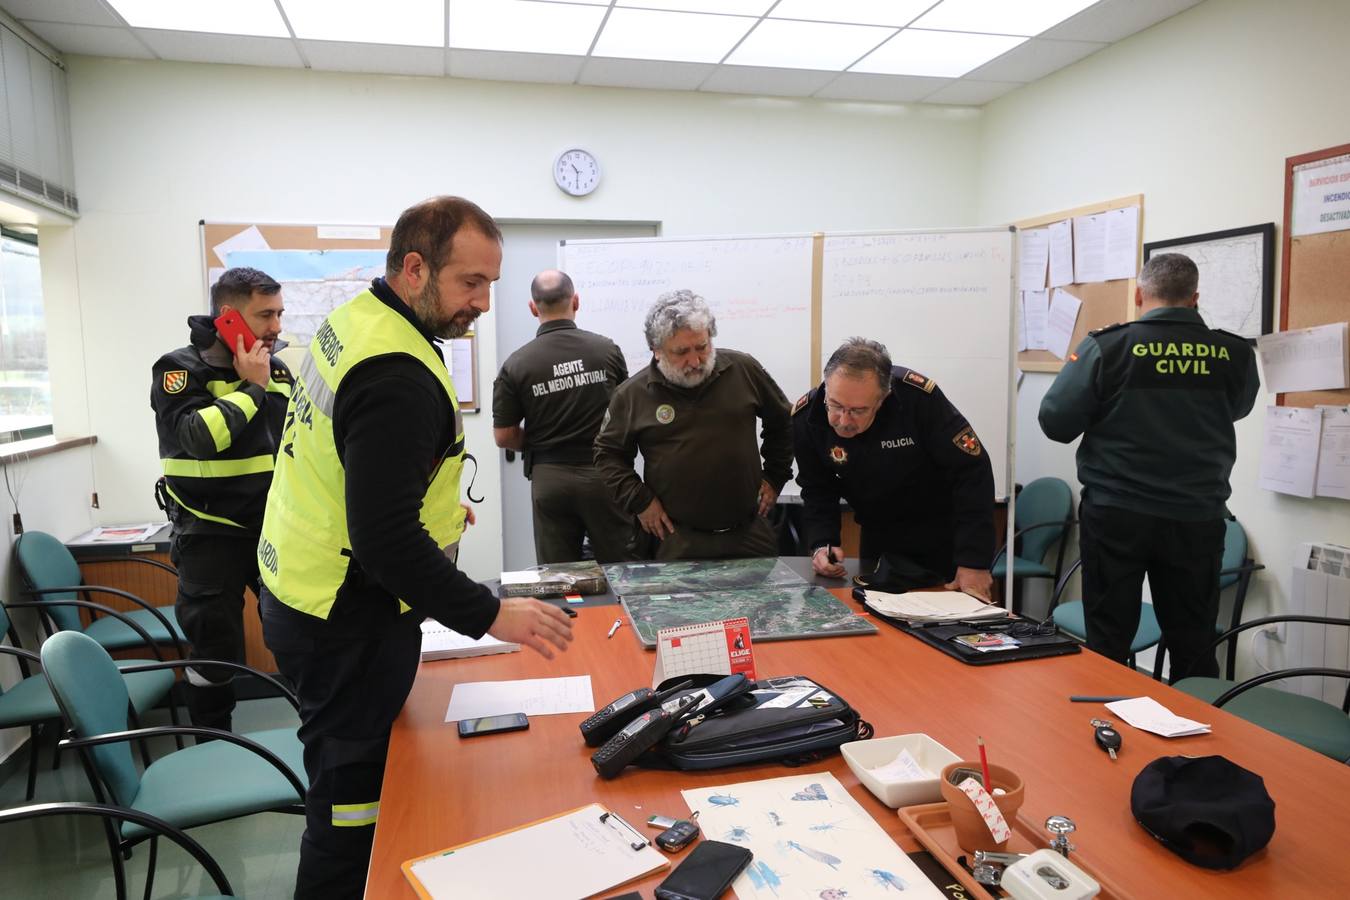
{"x":1237,"y":276}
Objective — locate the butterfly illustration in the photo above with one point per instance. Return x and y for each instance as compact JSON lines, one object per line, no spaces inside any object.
{"x":813,"y":791}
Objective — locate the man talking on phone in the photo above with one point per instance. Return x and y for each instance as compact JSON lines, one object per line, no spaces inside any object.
{"x":219,"y":407}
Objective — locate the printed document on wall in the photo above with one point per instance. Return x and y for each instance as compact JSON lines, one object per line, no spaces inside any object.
{"x":1034,"y":250}
{"x":1061,"y":322}
{"x":1308,"y":359}
{"x":1122,"y":242}
{"x":1333,"y":458}
{"x":1036,"y":307}
{"x":1289,"y":451}
{"x":1061,"y":253}
{"x":1322,"y":196}
{"x":1089,"y":248}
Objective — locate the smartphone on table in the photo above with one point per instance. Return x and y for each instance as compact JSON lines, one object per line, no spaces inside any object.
{"x":706,"y":873}
{"x":231,"y":325}
{"x":493,"y":724}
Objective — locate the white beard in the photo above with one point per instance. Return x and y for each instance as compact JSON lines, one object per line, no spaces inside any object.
{"x":683,"y":378}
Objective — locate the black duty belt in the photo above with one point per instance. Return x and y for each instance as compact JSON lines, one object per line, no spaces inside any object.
{"x":578,"y":455}
{"x":724,"y":530}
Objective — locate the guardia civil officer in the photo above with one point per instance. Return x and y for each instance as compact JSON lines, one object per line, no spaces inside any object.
{"x":218,"y":412}
{"x":560,"y":384}
{"x":363,"y":525}
{"x":888,"y":441}
{"x":1155,"y":401}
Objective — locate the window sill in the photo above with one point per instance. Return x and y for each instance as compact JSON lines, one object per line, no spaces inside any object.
{"x":20,"y":451}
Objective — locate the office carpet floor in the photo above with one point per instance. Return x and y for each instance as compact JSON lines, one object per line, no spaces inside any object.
{"x":67,"y":857}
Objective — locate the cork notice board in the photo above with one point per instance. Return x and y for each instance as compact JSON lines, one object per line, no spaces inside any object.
{"x":314,"y":283}
{"x":1315,"y":282}
{"x":1104,"y":302}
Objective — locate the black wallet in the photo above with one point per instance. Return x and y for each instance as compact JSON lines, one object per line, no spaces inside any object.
{"x":706,"y":873}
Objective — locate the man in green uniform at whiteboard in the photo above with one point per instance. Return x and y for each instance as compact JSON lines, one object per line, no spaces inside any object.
{"x":1155,"y":401}
{"x":707,"y":484}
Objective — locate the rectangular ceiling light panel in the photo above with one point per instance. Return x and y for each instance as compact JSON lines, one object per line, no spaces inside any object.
{"x":896,"y":13}
{"x":1022,"y":17}
{"x":807,"y":45}
{"x":679,"y":37}
{"x":523,"y":26}
{"x":940,"y":54}
{"x":253,"y":17}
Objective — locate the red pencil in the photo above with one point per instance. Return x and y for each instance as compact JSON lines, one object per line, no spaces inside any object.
{"x":984,"y":766}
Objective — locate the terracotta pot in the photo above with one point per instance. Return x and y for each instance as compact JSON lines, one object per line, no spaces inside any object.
{"x":971,"y":831}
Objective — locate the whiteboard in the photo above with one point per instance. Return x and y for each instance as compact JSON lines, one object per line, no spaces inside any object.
{"x":942,"y":303}
{"x":759,"y":289}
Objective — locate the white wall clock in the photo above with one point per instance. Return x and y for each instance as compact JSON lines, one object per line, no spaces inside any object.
{"x":576,"y":171}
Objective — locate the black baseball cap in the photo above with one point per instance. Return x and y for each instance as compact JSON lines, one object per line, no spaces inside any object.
{"x":1208,"y":810}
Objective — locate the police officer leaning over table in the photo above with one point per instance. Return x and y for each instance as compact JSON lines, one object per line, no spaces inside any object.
{"x":889,"y":442}
{"x":363,"y":523}
{"x":1155,"y":401}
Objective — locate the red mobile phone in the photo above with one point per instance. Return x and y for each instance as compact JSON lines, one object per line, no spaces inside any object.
{"x":231,"y":325}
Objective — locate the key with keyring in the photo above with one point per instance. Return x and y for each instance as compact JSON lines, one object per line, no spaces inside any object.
{"x":1106,"y":736}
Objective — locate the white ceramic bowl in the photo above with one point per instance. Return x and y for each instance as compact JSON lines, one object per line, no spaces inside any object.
{"x":865,"y":756}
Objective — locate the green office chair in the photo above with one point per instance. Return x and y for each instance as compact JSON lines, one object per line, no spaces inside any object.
{"x":111,"y":815}
{"x":1305,"y":720}
{"x":1044,"y":513}
{"x":234,"y":775}
{"x":1070,"y":619}
{"x":51,"y":573}
{"x":30,"y":702}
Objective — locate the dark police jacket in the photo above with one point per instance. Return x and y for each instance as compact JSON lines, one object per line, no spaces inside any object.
{"x":1155,"y":400}
{"x":918,"y":465}
{"x":217,"y":433}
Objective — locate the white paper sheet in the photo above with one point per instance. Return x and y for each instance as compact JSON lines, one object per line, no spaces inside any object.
{"x":1308,"y":359}
{"x":810,"y":838}
{"x":1061,"y":253}
{"x":461,"y":369}
{"x":248,"y":239}
{"x":119,"y":534}
{"x":1289,"y":450}
{"x":532,"y":696}
{"x":1122,"y":242}
{"x":1333,"y":456}
{"x":1089,"y":248}
{"x":1148,"y":714}
{"x":1034,"y":254}
{"x":1021,"y":324}
{"x":1322,"y":196}
{"x":931,"y":606}
{"x":1060,"y":323}
{"x":1037,"y":307}
{"x":439,"y":642}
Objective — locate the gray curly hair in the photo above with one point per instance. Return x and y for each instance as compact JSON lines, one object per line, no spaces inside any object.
{"x":675,"y":311}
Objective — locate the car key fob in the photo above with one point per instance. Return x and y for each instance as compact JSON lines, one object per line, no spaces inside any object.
{"x":678,"y":835}
{"x":1108,"y":739}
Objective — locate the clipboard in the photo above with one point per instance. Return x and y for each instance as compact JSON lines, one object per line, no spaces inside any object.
{"x":578,"y":853}
{"x":941,"y":637}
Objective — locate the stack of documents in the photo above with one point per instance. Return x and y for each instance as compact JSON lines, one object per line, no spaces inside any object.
{"x":1308,"y":359}
{"x":933,"y":606}
{"x":439,"y":642}
{"x":1148,"y":714}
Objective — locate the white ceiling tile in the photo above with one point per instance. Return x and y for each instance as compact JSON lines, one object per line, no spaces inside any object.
{"x":727,"y":7}
{"x":938,"y":54}
{"x":234,"y":49}
{"x":91,"y":40}
{"x":881,"y":88}
{"x":519,"y":26}
{"x":498,"y":66}
{"x":685,"y":37}
{"x":387,"y":59}
{"x":1114,"y":20}
{"x":965,"y":92}
{"x":895,"y":13}
{"x":73,"y":12}
{"x":1035,"y":59}
{"x":1025,"y":18}
{"x":815,"y":45}
{"x":255,"y":17}
{"x":772,"y":82}
{"x":413,"y":23}
{"x":644,"y":73}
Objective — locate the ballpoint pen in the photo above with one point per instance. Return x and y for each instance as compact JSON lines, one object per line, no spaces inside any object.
{"x":615,"y":627}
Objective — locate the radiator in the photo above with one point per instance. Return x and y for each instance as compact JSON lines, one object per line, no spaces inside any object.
{"x":1320,"y":587}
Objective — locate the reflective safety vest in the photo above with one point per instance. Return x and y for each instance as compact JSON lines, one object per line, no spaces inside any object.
{"x":305,"y":549}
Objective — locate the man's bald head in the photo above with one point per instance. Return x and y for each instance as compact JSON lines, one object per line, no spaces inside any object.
{"x":553,"y":294}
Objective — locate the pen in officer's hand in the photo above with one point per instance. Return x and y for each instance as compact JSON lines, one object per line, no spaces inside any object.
{"x":829,"y":554}
{"x":615,"y":627}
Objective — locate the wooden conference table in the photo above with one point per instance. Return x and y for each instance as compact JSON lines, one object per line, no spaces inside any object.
{"x":440,"y":790}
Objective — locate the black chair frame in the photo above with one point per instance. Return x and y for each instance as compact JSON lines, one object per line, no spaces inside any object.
{"x":117,"y":814}
{"x":87,"y":589}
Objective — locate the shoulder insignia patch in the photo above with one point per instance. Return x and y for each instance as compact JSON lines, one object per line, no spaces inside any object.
{"x":1114,"y":327}
{"x":968,"y":442}
{"x":801,"y":403}
{"x":174,"y":381}
{"x":922,"y":382}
